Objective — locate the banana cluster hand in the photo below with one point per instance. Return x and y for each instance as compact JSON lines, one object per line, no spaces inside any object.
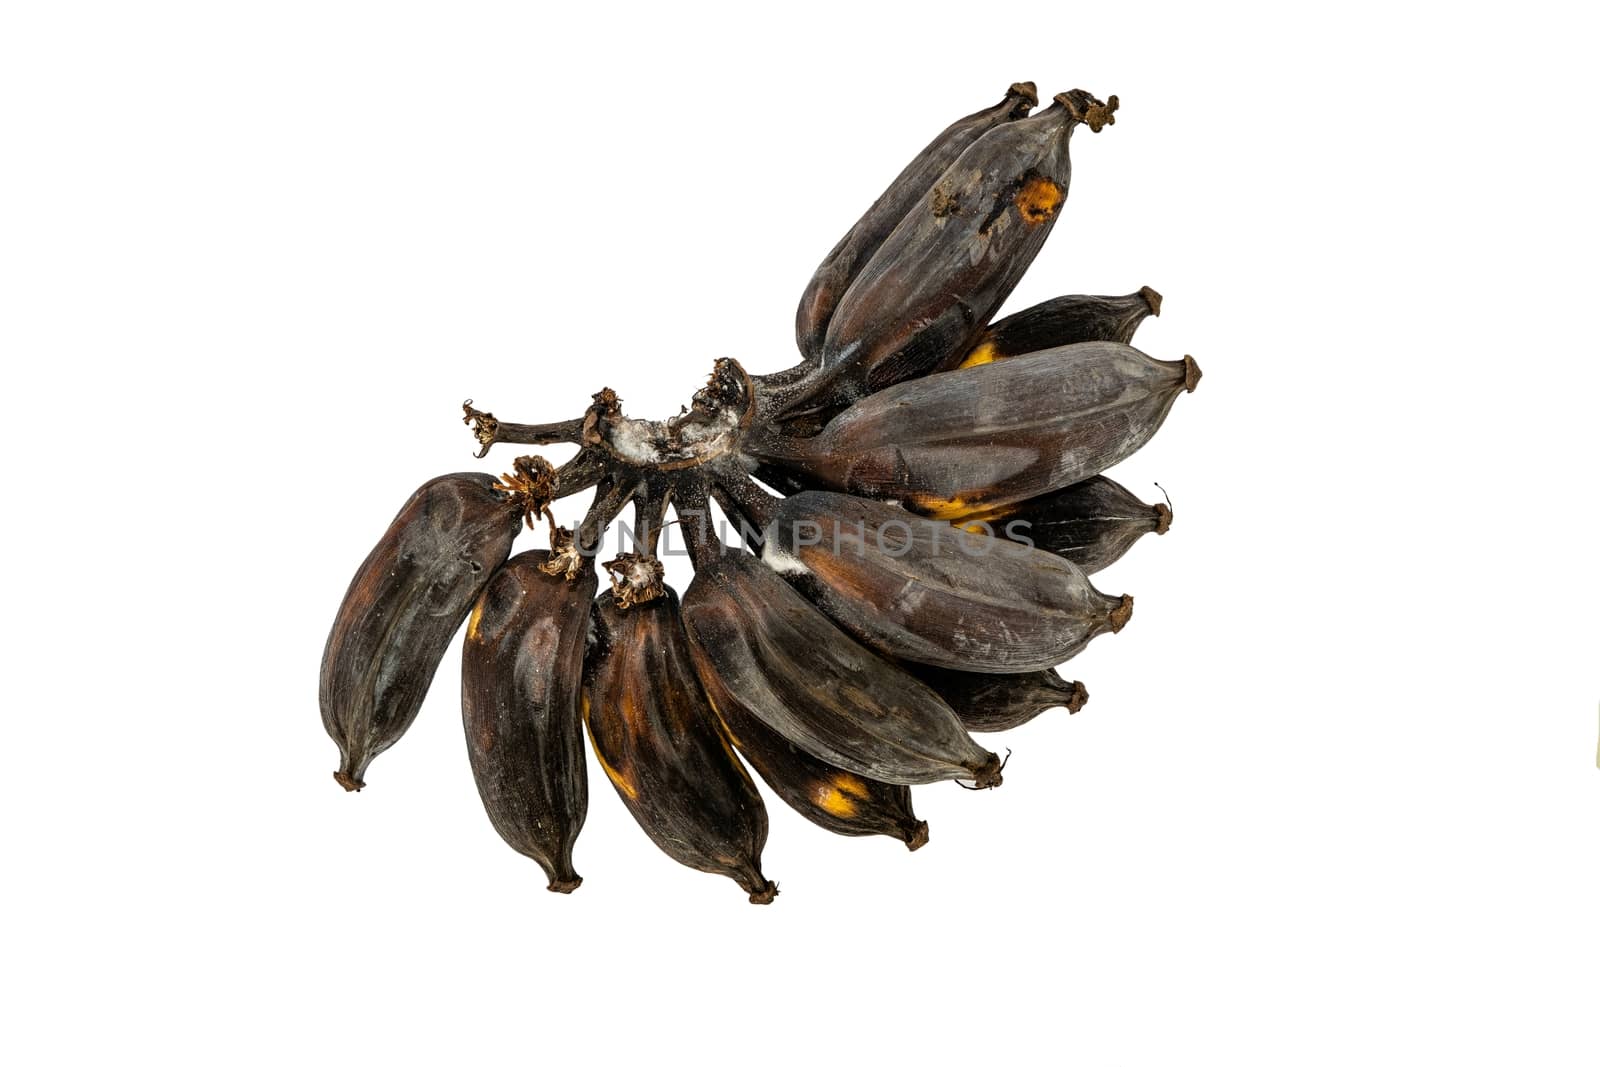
{"x":924,"y":569}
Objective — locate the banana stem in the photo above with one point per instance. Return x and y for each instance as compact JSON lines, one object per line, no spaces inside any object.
{"x":491,"y":431}
{"x":752,"y":537}
{"x":581,"y":472}
{"x":770,"y":445}
{"x":569,"y":431}
{"x":609,"y":500}
{"x":781,"y":378}
{"x":649,"y":516}
{"x":694,"y":519}
{"x":755,"y":504}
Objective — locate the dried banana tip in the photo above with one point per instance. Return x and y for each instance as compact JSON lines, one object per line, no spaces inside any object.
{"x":1077,"y":699}
{"x":1119,"y":615}
{"x":765,"y":894}
{"x":1027,"y":92}
{"x":564,"y":884}
{"x":988,"y":775}
{"x":1152,"y":298}
{"x":917,"y":837}
{"x":1191,"y":374}
{"x":1089,"y":110}
{"x":351,"y":783}
{"x":1163,"y":518}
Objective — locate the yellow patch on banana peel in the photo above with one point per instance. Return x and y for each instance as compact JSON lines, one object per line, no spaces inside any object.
{"x":953,"y":508}
{"x":474,"y":620}
{"x":628,"y":789}
{"x":835,"y":799}
{"x":835,"y":803}
{"x":963,"y":514}
{"x":1038,"y":199}
{"x":984,"y":354}
{"x":983,"y":520}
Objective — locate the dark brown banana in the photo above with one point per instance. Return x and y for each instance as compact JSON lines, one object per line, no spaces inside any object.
{"x":1066,"y":320}
{"x":763,"y":651}
{"x":931,"y":287}
{"x":402,"y":608}
{"x":834,"y":799}
{"x":660,"y":743}
{"x":841,"y":266}
{"x":1091,"y":524}
{"x":990,"y":702}
{"x":920,"y":590}
{"x":521,"y":704}
{"x":952,"y":444}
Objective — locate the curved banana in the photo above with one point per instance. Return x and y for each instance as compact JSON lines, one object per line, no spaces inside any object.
{"x":831,"y":798}
{"x":925,"y":591}
{"x":990,"y":702}
{"x":763,"y":650}
{"x":1091,"y":524}
{"x":521,"y":705}
{"x":1066,"y":320}
{"x":938,"y":278}
{"x":660,"y":743}
{"x":839,"y":269}
{"x":404,"y":605}
{"x":951,"y":444}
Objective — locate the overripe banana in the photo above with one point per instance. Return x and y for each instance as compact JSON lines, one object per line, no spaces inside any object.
{"x":1066,"y":320}
{"x":935,"y":281}
{"x":955,"y":443}
{"x":521,"y":705}
{"x":839,"y":269}
{"x":662,"y":747}
{"x":404,"y":605}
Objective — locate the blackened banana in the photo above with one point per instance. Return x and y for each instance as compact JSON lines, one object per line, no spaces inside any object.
{"x":660,"y":743}
{"x":842,"y":264}
{"x":521,"y":704}
{"x":405,"y":603}
{"x":928,"y":592}
{"x":1066,"y":320}
{"x":763,"y":650}
{"x":952,"y":444}
{"x":1091,"y":524}
{"x":990,"y":702}
{"x":834,"y":799}
{"x":937,"y":279}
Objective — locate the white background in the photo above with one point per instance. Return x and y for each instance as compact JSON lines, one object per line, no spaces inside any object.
{"x":1334,"y":799}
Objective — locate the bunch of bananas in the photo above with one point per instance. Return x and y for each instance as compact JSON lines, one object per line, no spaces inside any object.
{"x":922,"y":574}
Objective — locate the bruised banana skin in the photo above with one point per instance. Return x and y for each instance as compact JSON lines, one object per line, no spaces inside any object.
{"x":1066,"y":320}
{"x":953,"y":444}
{"x":660,"y":743}
{"x":1092,"y":524}
{"x":521,"y":705}
{"x":988,"y":703}
{"x":929,"y":290}
{"x":833,"y":799}
{"x":404,"y":605}
{"x":839,"y":269}
{"x":763,"y":650}
{"x":925,"y":591}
